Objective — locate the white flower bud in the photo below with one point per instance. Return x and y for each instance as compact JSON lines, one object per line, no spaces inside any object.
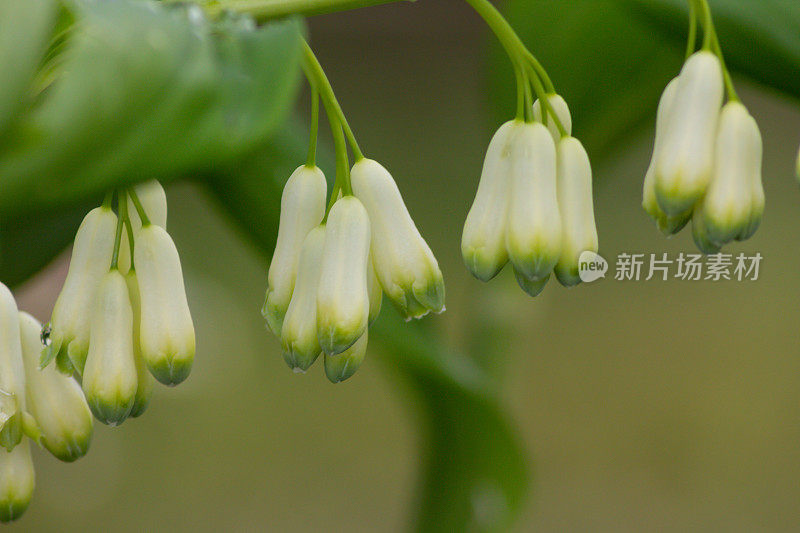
{"x":12,"y":372}
{"x":145,"y":380}
{"x":403,"y":262}
{"x":669,"y":225}
{"x":299,"y":333}
{"x":167,"y":333}
{"x":91,"y":258}
{"x":483,"y":243}
{"x":109,"y":378}
{"x":56,"y":401}
{"x":154,"y":201}
{"x":561,"y":108}
{"x":729,"y":205}
{"x":533,"y":288}
{"x":375,"y":292}
{"x":16,"y":481}
{"x":302,"y":209}
{"x":700,"y":232}
{"x":342,"y":296}
{"x":578,"y":229}
{"x":533,"y":238}
{"x":341,"y":366}
{"x":686,"y":160}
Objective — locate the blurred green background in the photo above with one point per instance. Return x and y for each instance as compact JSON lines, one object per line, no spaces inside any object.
{"x":639,"y":406}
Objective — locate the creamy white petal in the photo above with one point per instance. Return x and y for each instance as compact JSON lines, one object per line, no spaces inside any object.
{"x":342,"y":296}
{"x":728,"y":203}
{"x":56,"y":401}
{"x":404,"y":264}
{"x":574,"y":188}
{"x":533,"y":237}
{"x":12,"y":373}
{"x":167,"y":333}
{"x":685,"y":161}
{"x":154,"y":201}
{"x":483,"y":244}
{"x":302,"y":209}
{"x":299,"y":332}
{"x":16,"y":481}
{"x":561,"y":108}
{"x":109,"y":378}
{"x":91,"y":259}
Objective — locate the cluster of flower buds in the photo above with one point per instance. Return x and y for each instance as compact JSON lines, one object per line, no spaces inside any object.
{"x":534,"y":202}
{"x":706,"y":163}
{"x":330,"y":270}
{"x":122,"y":317}
{"x":39,"y":404}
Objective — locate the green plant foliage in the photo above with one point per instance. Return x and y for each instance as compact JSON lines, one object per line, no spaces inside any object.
{"x":147,"y":91}
{"x":760,"y":38}
{"x":608,"y":65}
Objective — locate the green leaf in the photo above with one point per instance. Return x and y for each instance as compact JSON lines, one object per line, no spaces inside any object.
{"x":608,"y":65}
{"x":474,"y":473}
{"x":148,"y":91}
{"x":24,"y":32}
{"x":760,"y":38}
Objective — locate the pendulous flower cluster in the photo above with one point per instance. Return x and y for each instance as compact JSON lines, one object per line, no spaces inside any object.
{"x":534,"y":202}
{"x":122,"y":317}
{"x":706,"y":163}
{"x":330,"y":270}
{"x":39,"y":404}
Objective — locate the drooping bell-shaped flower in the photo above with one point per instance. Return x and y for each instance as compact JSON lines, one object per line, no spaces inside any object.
{"x":91,"y":258}
{"x":341,"y":366}
{"x":685,"y":161}
{"x":533,"y":237}
{"x":17,"y":480}
{"x":109,"y":377}
{"x":12,"y":373}
{"x":167,"y":333}
{"x":561,"y":109}
{"x":145,"y":380}
{"x":299,"y":332}
{"x":669,"y":225}
{"x":578,"y":229}
{"x":483,"y":242}
{"x":154,"y":201}
{"x":734,"y":200}
{"x":342,"y":295}
{"x":404,"y":264}
{"x":56,"y":401}
{"x":302,"y":209}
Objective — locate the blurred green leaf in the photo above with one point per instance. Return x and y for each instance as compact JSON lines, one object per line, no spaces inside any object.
{"x":760,"y":38}
{"x":474,"y":473}
{"x":608,"y":65}
{"x":24,"y":31}
{"x":148,"y":91}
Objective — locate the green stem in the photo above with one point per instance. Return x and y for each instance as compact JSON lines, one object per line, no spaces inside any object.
{"x":126,"y":219}
{"x":528,"y":98}
{"x":692,"y":40}
{"x":342,"y":182}
{"x":520,"y":77}
{"x":108,"y":200}
{"x":711,"y":44}
{"x":121,"y":199}
{"x":139,"y":207}
{"x":317,"y":78}
{"x":312,"y":143}
{"x":263,"y":10}
{"x":544,"y":102}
